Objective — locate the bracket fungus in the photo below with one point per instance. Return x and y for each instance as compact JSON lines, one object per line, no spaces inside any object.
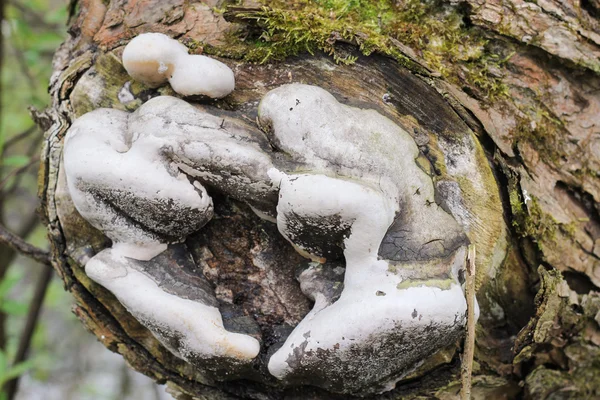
{"x":344,"y":189}
{"x":155,"y":58}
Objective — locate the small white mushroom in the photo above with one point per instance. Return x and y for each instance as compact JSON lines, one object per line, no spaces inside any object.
{"x":150,"y":58}
{"x":201,"y":75}
{"x":155,"y":58}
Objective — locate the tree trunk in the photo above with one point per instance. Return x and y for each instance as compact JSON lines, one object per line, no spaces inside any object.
{"x":517,"y":81}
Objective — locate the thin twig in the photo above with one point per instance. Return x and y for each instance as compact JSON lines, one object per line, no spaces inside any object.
{"x":34,"y":145}
{"x":7,"y":255}
{"x":16,"y":183}
{"x":34,"y":19}
{"x":32,"y":318}
{"x":20,"y":136}
{"x":18,"y":52}
{"x":21,"y":246}
{"x":467,"y":360}
{"x":18,"y":171}
{"x":10,"y":189}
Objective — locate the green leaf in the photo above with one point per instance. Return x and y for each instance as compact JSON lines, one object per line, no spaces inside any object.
{"x":15,"y":161}
{"x":12,"y":307}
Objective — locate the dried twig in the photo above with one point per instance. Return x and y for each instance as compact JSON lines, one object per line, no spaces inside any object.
{"x":34,"y":19}
{"x":20,"y":57}
{"x":20,"y":136}
{"x":18,"y":171}
{"x":7,"y":255}
{"x":34,"y":158}
{"x":32,"y":317}
{"x":21,"y":246}
{"x":467,"y":360}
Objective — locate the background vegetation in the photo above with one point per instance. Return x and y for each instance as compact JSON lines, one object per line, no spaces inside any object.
{"x":42,"y":344}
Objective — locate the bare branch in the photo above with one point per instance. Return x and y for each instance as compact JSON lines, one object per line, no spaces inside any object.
{"x":18,"y":171}
{"x":6,"y":257}
{"x":33,"y":18}
{"x":21,"y":246}
{"x":20,"y":136}
{"x":32,"y":318}
{"x":18,"y":52}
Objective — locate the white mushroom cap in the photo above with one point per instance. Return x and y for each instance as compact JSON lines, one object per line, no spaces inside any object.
{"x":150,"y":57}
{"x":154,"y":58}
{"x":197,"y":74}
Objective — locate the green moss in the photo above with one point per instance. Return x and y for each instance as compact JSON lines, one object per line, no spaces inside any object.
{"x":586,"y":171}
{"x":434,"y":30}
{"x":542,"y":382}
{"x":484,"y":387}
{"x":100,"y":87}
{"x":531,"y":221}
{"x":541,"y":132}
{"x":460,"y":53}
{"x":569,"y":229}
{"x":528,"y":219}
{"x":436,"y":157}
{"x":320,"y":25}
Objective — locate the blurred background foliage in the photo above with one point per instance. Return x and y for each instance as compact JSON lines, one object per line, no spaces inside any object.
{"x":60,"y":360}
{"x":31,"y":31}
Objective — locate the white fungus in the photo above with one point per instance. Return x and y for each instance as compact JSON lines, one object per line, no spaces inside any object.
{"x":150,"y":58}
{"x":123,"y":178}
{"x":155,"y":58}
{"x":199,"y":326}
{"x":363,"y":172}
{"x":196,"y":74}
{"x":353,"y":182}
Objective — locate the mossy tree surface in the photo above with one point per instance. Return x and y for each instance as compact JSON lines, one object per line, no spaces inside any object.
{"x":521,"y":79}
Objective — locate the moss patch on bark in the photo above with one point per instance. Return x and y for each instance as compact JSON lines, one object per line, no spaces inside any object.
{"x":410,"y":32}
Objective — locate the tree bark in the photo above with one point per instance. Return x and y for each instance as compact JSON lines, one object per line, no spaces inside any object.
{"x":537,"y":145}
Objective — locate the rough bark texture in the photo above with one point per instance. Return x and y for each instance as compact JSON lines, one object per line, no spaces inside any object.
{"x":541,"y":139}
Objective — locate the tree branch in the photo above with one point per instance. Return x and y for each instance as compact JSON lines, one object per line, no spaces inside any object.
{"x":32,"y":317}
{"x":34,"y":18}
{"x":20,"y":136}
{"x":18,"y":52}
{"x":18,"y":171}
{"x":21,"y":246}
{"x":467,"y":361}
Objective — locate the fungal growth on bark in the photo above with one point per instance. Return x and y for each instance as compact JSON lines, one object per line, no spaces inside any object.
{"x":343,"y":187}
{"x":155,"y":58}
{"x":304,"y":235}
